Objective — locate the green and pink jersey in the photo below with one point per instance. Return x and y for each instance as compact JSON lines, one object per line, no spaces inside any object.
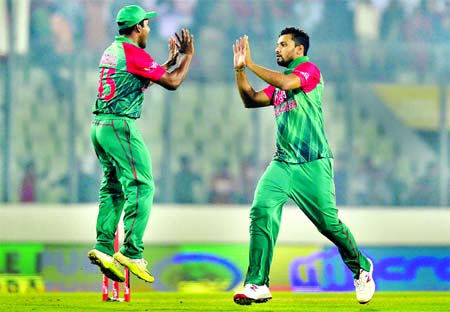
{"x":125,"y":72}
{"x":298,"y":113}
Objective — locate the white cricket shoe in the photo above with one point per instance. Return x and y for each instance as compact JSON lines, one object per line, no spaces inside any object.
{"x":252,"y":293}
{"x":365,"y":285}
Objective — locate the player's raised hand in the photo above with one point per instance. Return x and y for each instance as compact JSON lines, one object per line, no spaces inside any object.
{"x":174,"y":51}
{"x":248,"y":57}
{"x":239,"y":53}
{"x":186,"y":42}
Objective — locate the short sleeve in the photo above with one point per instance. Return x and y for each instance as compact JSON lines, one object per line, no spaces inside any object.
{"x":141,"y":64}
{"x":309,"y":76}
{"x":269,"y":90}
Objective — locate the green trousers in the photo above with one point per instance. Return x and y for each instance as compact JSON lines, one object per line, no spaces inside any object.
{"x":127,"y":183}
{"x":311,"y":187}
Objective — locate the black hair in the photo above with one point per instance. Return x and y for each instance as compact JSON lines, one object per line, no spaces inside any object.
{"x":127,"y":31}
{"x":299,"y":36}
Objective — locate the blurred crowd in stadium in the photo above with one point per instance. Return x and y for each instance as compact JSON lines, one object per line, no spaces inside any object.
{"x":355,"y":41}
{"x":63,"y":28}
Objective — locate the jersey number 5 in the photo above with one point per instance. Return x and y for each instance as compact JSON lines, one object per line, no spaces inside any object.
{"x":105,"y":79}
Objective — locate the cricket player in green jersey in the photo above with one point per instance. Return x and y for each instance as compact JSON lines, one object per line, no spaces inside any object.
{"x":302,"y":168}
{"x":126,"y":70}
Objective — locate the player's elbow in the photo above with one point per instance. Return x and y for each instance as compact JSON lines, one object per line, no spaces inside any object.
{"x":250,"y":103}
{"x":171,"y":87}
{"x":170,"y":83}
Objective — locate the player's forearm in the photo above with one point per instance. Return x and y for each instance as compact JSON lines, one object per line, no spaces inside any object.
{"x":179,"y":74}
{"x":246,"y":91}
{"x":166,"y":66}
{"x":274,"y":78}
{"x":170,"y":63}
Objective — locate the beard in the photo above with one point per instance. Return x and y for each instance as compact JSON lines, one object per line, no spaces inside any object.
{"x":142,"y":41}
{"x":281,"y":62}
{"x":142,"y":44}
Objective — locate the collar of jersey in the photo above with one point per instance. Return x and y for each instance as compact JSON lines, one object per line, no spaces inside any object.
{"x":125,"y":39}
{"x":295,"y":63}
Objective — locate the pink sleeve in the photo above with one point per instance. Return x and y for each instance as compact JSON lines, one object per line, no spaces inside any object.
{"x":309,"y":76}
{"x":269,"y":90}
{"x":141,"y":64}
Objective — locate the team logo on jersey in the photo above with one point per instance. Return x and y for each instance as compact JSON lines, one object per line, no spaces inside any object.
{"x":280,"y":97}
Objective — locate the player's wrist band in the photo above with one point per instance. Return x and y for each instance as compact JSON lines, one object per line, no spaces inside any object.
{"x":239,"y":69}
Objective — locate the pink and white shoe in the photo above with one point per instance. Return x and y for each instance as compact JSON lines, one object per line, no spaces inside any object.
{"x":365,"y":285}
{"x":252,"y":293}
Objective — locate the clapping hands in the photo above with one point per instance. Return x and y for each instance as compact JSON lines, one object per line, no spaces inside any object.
{"x":182,"y":44}
{"x":241,"y":52}
{"x":185,"y":42}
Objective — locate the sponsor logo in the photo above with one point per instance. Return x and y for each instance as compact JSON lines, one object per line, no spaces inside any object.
{"x":153,"y":65}
{"x":325,"y":271}
{"x":288,"y":106}
{"x":305,"y":75}
{"x":205,"y":260}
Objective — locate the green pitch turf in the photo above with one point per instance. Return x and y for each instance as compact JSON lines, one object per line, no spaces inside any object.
{"x":153,"y":301}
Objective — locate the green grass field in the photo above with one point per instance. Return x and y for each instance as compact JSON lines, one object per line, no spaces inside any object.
{"x":282,"y":301}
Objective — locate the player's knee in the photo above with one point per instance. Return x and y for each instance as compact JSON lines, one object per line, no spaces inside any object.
{"x":329,"y":227}
{"x":141,"y":189}
{"x":147,"y":189}
{"x":261,"y":212}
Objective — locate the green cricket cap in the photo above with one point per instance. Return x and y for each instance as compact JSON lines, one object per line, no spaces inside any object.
{"x":131,"y":15}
